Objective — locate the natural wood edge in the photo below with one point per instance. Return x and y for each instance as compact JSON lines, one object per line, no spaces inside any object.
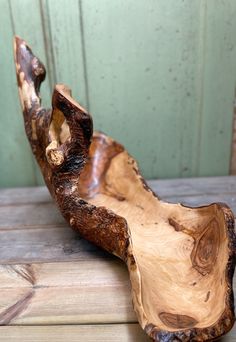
{"x":227,"y":320}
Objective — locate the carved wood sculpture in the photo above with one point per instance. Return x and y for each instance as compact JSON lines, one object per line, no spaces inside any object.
{"x":180,"y":259}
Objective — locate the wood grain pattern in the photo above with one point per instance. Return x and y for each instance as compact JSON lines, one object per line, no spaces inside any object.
{"x":90,"y":333}
{"x":66,"y":293}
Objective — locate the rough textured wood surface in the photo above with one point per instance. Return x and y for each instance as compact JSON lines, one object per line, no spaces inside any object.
{"x":61,"y":281}
{"x":180,"y":259}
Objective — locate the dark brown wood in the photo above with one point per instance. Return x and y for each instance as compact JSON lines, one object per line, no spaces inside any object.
{"x":180,"y":259}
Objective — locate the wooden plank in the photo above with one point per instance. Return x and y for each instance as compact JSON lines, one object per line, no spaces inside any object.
{"x":36,"y":215}
{"x":15,"y":213}
{"x":202,"y":200}
{"x":45,"y":245}
{"x":49,"y":243}
{"x":83,"y":286}
{"x":66,"y":38}
{"x":16,"y":167}
{"x":95,"y":291}
{"x":218,"y":86}
{"x":193,"y":186}
{"x":89,"y":333}
{"x":164,"y":188}
{"x":28,"y":195}
{"x":75,"y":333}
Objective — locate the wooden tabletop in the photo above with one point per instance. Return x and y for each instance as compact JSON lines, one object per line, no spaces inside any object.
{"x":56,"y":286}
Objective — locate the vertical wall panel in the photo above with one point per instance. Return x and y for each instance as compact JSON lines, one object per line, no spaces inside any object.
{"x":163,"y":81}
{"x":65,"y":26}
{"x":143,"y":76}
{"x":16,"y":166}
{"x":218,"y":88}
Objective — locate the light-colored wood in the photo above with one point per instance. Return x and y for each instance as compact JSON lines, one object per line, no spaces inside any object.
{"x":73,"y":333}
{"x":95,"y":291}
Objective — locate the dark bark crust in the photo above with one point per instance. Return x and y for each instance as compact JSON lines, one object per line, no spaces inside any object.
{"x":64,"y":164}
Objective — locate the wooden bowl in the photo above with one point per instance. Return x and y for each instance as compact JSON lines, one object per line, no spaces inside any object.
{"x":180,"y":259}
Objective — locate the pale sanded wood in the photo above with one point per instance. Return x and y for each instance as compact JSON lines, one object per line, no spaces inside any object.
{"x":75,"y":333}
{"x":65,"y":293}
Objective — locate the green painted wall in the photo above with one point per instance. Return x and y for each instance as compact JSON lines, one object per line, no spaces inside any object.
{"x":158,"y":75}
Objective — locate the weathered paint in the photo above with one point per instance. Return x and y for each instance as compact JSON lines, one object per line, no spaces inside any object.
{"x":159,"y":76}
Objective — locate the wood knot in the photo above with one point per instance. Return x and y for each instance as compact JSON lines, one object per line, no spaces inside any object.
{"x":55,"y":157}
